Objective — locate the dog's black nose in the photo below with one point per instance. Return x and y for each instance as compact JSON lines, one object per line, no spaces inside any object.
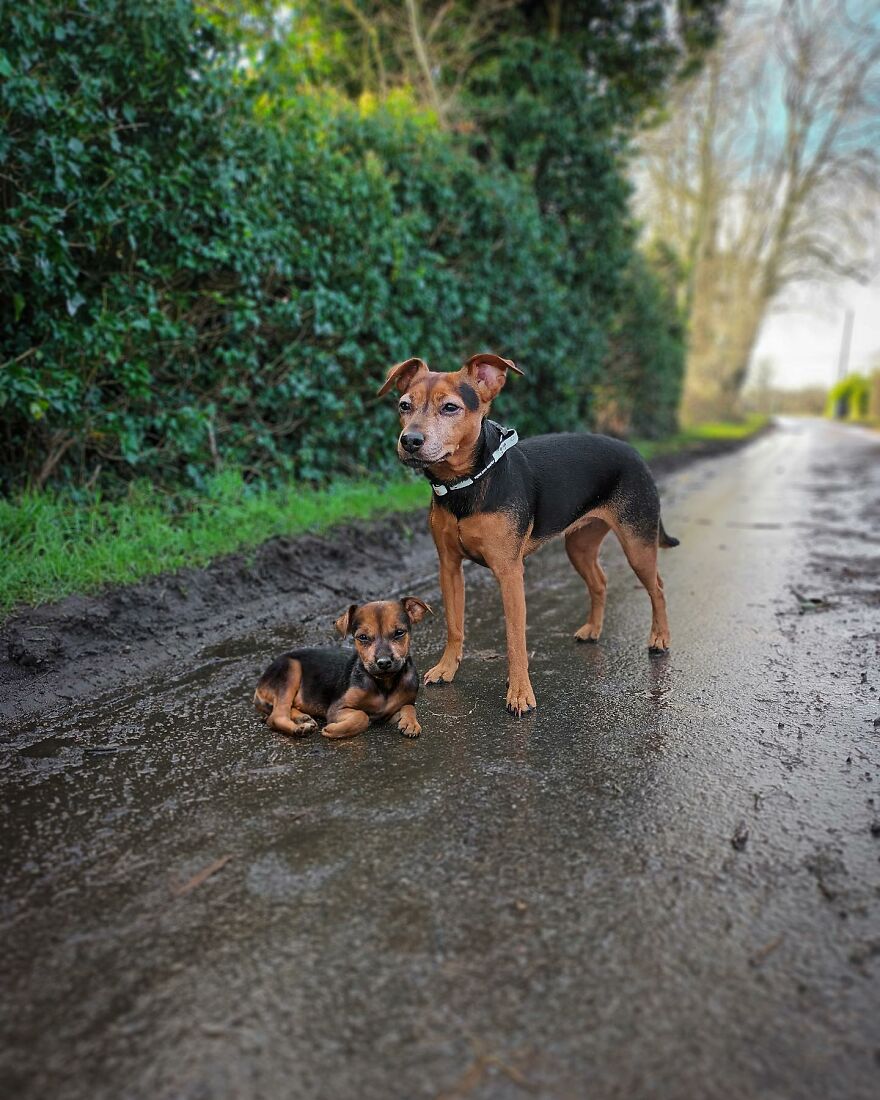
{"x":383,"y":663}
{"x":411,"y":441}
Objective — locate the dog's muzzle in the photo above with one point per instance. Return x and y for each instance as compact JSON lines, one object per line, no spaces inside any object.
{"x":412,"y":441}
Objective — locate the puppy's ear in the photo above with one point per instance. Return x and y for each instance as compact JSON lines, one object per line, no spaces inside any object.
{"x":415,"y":609}
{"x":488,"y":373}
{"x":403,"y":375}
{"x":346,"y":620}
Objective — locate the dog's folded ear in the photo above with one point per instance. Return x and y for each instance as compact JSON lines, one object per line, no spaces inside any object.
{"x":346,"y":620}
{"x":402,"y":375}
{"x":488,"y":373}
{"x":415,"y":609}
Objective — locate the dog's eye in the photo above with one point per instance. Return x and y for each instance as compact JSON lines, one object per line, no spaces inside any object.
{"x":362,"y":638}
{"x":448,"y":407}
{"x":399,"y":633}
{"x":405,"y":407}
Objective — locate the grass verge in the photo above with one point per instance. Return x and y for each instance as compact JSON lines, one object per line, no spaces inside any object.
{"x":51,"y":546}
{"x":692,"y":438}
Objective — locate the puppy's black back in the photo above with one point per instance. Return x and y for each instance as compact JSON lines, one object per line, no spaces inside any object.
{"x":326,"y":673}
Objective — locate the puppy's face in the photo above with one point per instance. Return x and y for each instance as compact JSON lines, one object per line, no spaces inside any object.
{"x":441,"y":413}
{"x":381,"y":632}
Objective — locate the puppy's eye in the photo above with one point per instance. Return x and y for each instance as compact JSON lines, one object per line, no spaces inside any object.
{"x":398,"y":634}
{"x":362,"y":638}
{"x":449,"y":407}
{"x":405,"y":406}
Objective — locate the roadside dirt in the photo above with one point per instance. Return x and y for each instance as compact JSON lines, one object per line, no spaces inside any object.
{"x":56,"y":654}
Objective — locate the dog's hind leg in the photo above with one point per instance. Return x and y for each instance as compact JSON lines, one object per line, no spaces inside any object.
{"x":283,"y":715}
{"x":642,"y":557}
{"x":582,"y":546}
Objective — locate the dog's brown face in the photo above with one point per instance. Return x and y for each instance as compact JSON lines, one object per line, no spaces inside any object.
{"x":381,"y":632}
{"x":441,"y":413}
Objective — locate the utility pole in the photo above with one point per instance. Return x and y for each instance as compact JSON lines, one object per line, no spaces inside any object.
{"x":841,"y":408}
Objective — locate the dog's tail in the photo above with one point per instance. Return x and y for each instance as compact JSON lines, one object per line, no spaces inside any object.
{"x":666,"y":541}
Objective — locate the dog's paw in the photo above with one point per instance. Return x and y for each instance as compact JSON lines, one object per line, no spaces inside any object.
{"x":289,"y":726}
{"x":588,"y":633}
{"x":521,"y":699}
{"x":304,"y":724}
{"x":409,"y":727}
{"x":658,"y":642}
{"x":336,"y":730}
{"x":442,"y":673}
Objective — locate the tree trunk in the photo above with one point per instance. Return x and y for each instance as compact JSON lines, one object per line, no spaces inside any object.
{"x":724,"y":328}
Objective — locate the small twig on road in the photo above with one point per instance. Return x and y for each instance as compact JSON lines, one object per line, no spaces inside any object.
{"x":202,"y":876}
{"x":808,"y":603}
{"x":766,"y":950}
{"x":476,"y":1071}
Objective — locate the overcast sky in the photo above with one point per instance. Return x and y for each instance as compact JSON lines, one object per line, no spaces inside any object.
{"x":804,"y":344}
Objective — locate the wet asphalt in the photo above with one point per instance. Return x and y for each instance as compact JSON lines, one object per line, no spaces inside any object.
{"x":665,"y":883}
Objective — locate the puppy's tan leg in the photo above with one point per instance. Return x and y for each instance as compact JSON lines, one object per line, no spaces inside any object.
{"x":347,"y":722}
{"x":407,"y":722}
{"x":642,"y":556}
{"x":582,"y":547}
{"x":283,"y":716}
{"x":445,"y":532}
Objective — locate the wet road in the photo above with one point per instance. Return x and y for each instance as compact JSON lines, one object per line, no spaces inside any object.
{"x":550,"y":907}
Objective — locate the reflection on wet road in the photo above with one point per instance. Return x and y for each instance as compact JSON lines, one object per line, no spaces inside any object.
{"x":552,"y":906}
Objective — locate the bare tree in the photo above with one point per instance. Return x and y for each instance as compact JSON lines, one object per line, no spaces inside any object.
{"x":766,"y":175}
{"x":433,"y":43}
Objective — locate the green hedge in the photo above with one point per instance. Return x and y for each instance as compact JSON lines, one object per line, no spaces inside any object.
{"x":194,"y":277}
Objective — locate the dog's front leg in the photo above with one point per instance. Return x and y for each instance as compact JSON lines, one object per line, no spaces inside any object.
{"x":452,"y":587}
{"x":445,"y":532}
{"x":345,"y":721}
{"x":511,"y":580}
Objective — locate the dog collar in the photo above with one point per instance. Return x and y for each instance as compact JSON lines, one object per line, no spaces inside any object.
{"x":509,"y":438}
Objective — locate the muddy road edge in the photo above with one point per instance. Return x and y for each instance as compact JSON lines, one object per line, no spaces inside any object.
{"x":84,"y":645}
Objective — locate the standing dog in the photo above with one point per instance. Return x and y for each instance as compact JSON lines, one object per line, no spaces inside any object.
{"x":496,"y":502}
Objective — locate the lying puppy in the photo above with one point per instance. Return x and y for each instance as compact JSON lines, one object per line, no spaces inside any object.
{"x":375,"y":682}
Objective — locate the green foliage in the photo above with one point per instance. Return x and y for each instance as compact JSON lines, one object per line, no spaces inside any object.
{"x":850,"y":398}
{"x":197,"y":271}
{"x":641,"y":385}
{"x":631,"y":51}
{"x":51,"y":546}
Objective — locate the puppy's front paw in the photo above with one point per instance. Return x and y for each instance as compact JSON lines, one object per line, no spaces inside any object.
{"x":520,"y":699}
{"x":409,"y":727}
{"x":443,"y":672}
{"x":658,"y":641}
{"x":338,"y":729}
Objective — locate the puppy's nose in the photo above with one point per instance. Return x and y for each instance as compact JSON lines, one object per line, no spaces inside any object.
{"x":384,"y":663}
{"x":411,"y":441}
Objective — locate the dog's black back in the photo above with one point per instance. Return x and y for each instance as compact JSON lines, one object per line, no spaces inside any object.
{"x":551,"y":481}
